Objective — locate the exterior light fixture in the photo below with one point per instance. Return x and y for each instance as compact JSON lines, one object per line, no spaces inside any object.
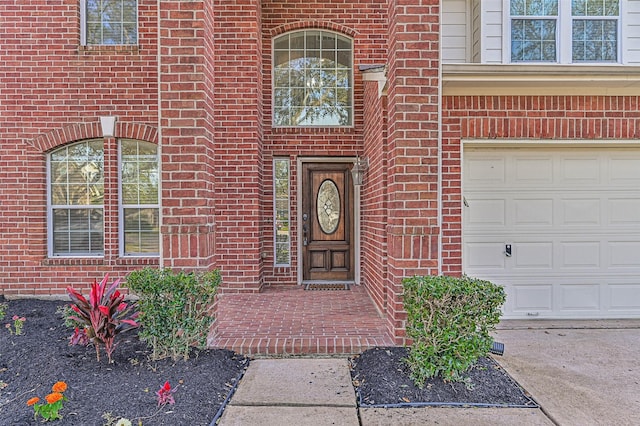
{"x":360,"y":165}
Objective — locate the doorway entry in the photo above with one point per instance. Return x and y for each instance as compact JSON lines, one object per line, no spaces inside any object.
{"x":327,"y":223}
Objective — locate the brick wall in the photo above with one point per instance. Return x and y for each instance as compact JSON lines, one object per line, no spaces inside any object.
{"x":413,"y":100}
{"x":52,"y":92}
{"x":363,"y":20}
{"x":374,"y":196}
{"x":238,"y":143}
{"x":187,"y":158}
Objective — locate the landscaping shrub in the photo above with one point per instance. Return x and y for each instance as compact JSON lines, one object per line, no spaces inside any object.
{"x":175,"y":309}
{"x":103,"y":316}
{"x":449,"y":320}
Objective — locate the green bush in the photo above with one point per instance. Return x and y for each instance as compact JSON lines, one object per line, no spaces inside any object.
{"x":449,"y":320}
{"x":175,"y":309}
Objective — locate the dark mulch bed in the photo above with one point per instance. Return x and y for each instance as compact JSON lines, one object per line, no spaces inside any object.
{"x":382,"y":379}
{"x":31,"y":363}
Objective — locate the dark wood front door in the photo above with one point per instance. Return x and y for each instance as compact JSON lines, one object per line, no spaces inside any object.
{"x":327,"y":222}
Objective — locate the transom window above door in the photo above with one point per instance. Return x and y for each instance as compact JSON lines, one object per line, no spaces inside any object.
{"x":564,"y":31}
{"x":312,"y":79}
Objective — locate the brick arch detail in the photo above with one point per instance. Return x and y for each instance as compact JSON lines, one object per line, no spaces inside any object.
{"x":79,"y":131}
{"x":300,"y":25}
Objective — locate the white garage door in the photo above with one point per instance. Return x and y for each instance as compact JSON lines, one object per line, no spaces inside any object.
{"x":571,"y":217}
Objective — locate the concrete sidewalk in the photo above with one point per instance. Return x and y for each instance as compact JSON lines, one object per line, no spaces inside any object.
{"x":579,"y":376}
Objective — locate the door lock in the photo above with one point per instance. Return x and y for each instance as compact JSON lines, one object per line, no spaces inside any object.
{"x":305,"y":233}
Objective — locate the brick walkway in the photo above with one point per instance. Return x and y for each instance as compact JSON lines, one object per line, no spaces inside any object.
{"x":290,"y":320}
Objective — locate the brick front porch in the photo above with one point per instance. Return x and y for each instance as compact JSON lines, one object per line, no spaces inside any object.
{"x":289,"y":320}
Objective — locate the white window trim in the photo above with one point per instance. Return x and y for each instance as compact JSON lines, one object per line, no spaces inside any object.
{"x":83,"y":22}
{"x":563,"y":36}
{"x":122,"y":206}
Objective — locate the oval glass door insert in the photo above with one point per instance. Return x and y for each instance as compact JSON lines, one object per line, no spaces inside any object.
{"x":328,"y":206}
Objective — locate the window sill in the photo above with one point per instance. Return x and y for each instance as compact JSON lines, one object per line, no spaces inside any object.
{"x":73,"y":261}
{"x":109,"y":48}
{"x":138,"y":261}
{"x":98,"y":261}
{"x":312,"y":129}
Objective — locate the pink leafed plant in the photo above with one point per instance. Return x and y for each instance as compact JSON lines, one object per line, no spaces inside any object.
{"x":165,"y":395}
{"x":105,"y":314}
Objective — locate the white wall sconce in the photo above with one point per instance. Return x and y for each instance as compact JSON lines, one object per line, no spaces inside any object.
{"x":360,"y":165}
{"x":108,"y":124}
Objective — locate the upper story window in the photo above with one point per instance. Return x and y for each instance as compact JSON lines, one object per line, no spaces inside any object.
{"x":564,"y":31}
{"x":595,"y":30}
{"x":312,"y":79}
{"x":109,"y":22}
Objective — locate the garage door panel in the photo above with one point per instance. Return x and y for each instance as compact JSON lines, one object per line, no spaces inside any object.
{"x":624,"y":212}
{"x":532,"y":255}
{"x":624,"y":297}
{"x":572,"y":218}
{"x":575,"y":211}
{"x":580,"y":297}
{"x":624,"y":171}
{"x":580,"y":254}
{"x":579,"y":171}
{"x":533,"y":170}
{"x":533,"y":212}
{"x":481,"y":171}
{"x":485,"y":255}
{"x":624,"y":254}
{"x":532,"y":299}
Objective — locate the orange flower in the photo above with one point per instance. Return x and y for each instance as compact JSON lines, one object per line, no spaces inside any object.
{"x":59,"y":387}
{"x":33,"y":400}
{"x":54,"y":397}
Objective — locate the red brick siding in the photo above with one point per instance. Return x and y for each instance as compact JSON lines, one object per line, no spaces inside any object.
{"x":187,"y":173}
{"x":374,"y":196}
{"x":52,"y":92}
{"x":238,"y":142}
{"x":366,"y":23}
{"x":413,"y":228}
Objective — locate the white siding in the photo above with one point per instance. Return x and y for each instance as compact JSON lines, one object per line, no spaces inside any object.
{"x":454,"y":31}
{"x":491,"y":41}
{"x":631,"y":32}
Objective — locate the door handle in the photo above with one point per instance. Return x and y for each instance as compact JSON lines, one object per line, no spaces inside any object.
{"x":507,"y":250}
{"x":305,"y":231}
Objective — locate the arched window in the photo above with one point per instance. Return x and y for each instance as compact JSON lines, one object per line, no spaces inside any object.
{"x":312,"y":79}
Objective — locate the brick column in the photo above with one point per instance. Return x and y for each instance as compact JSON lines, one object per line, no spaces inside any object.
{"x":238,"y":136}
{"x":186,"y":155}
{"x":413,"y":95}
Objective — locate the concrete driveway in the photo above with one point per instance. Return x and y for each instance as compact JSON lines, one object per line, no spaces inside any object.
{"x":581,"y":373}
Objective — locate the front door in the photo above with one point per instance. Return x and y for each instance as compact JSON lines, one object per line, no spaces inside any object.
{"x":327,"y":222}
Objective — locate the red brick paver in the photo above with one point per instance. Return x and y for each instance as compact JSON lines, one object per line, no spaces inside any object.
{"x":290,"y":320}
